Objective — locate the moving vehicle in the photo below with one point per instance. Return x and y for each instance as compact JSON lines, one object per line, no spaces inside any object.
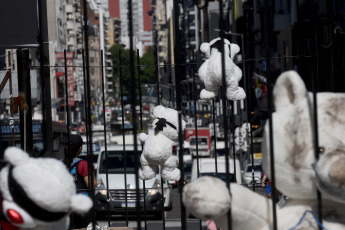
{"x":203,"y":143}
{"x":122,"y":189}
{"x":248,"y":175}
{"x":207,"y":167}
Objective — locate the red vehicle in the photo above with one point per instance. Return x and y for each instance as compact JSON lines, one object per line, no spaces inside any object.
{"x":203,"y":142}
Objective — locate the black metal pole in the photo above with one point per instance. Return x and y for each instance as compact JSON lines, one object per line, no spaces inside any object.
{"x":24,"y":86}
{"x":86,"y":104}
{"x":224,"y":100}
{"x":178,"y":105}
{"x":133,"y":103}
{"x":268,"y":28}
{"x":89,"y":130}
{"x":105,"y":137}
{"x":45,"y":80}
{"x":67,"y":109}
{"x":123,"y":134}
{"x":141,"y":128}
{"x":313,"y":71}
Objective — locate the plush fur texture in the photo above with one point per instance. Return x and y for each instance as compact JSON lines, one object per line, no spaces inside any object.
{"x":158,"y":146}
{"x":47,"y":183}
{"x":210,"y":72}
{"x":298,"y":174}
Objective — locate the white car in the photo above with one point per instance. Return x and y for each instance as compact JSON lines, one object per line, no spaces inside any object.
{"x":121,"y":185}
{"x":208,"y":167}
{"x":248,"y":174}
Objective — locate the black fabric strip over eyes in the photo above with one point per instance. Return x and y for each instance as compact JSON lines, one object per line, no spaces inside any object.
{"x":162,"y":122}
{"x":20,"y":197}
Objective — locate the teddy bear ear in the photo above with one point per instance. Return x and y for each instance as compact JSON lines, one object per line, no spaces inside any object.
{"x":157,"y":111}
{"x":234,"y":49}
{"x":15,"y":156}
{"x":205,"y":47}
{"x":289,"y":89}
{"x":81,"y":204}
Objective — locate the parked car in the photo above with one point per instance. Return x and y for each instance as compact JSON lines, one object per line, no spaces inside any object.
{"x":122,"y":185}
{"x":248,"y":175}
{"x":207,"y":167}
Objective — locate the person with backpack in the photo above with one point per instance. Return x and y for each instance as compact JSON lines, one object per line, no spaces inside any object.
{"x":79,"y":169}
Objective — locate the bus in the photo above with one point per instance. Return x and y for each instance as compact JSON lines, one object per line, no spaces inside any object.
{"x":6,"y":137}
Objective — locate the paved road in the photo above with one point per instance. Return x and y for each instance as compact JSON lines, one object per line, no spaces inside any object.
{"x":172,"y":220}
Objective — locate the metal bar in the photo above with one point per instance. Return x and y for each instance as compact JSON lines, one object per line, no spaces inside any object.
{"x":105,"y":139}
{"x":45,"y":80}
{"x":178,"y":105}
{"x":224,"y":100}
{"x":268,"y":28}
{"x":196,"y":126}
{"x":133,"y":103}
{"x":67,"y":109}
{"x":24,"y":87}
{"x":86,"y":104}
{"x":314,"y":73}
{"x":89,"y":130}
{"x":123,"y":134}
{"x":11,"y":111}
{"x":141,"y":128}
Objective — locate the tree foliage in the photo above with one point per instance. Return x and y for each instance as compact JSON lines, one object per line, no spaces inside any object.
{"x":147,"y":70}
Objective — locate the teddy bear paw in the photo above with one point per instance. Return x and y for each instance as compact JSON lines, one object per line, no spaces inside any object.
{"x":171,"y":174}
{"x":236,"y":95}
{"x":146,"y":174}
{"x":207,"y":95}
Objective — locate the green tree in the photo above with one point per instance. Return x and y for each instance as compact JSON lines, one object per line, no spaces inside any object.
{"x":147,"y":73}
{"x":147,"y":61}
{"x":124,"y":65}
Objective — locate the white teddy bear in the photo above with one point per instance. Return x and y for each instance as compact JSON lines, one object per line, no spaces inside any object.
{"x":158,"y":146}
{"x":210,"y":72}
{"x":298,"y":174}
{"x":38,"y":193}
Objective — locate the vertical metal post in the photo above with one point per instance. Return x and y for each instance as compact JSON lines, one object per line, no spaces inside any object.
{"x":89,"y":130}
{"x":67,"y":107}
{"x":86,"y":104}
{"x":123,"y":134}
{"x":25,"y":87}
{"x":313,"y":37}
{"x":45,"y":79}
{"x":134,"y":114}
{"x":105,"y":137}
{"x":196,"y":126}
{"x":268,"y":28}
{"x":141,"y":128}
{"x":12,"y":122}
{"x":178,"y":105}
{"x":224,"y":100}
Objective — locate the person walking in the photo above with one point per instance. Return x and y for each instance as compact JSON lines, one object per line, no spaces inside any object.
{"x":266,"y":183}
{"x":79,"y":169}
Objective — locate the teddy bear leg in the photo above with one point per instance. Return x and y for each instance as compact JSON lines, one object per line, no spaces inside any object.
{"x":209,"y":92}
{"x":147,"y":171}
{"x":169,"y":169}
{"x":234,"y":92}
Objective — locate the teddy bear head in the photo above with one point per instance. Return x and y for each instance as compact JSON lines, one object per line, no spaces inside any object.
{"x":166,"y":122}
{"x":198,"y":194}
{"x":38,"y":191}
{"x":297,"y":171}
{"x":215,"y":46}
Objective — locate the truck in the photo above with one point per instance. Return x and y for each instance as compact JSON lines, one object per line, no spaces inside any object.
{"x":203,"y":142}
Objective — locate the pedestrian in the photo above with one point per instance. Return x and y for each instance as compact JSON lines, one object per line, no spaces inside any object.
{"x":79,"y":169}
{"x":266,"y":183}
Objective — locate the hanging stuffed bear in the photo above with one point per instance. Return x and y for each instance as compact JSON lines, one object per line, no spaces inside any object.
{"x":158,"y":146}
{"x":210,"y":72}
